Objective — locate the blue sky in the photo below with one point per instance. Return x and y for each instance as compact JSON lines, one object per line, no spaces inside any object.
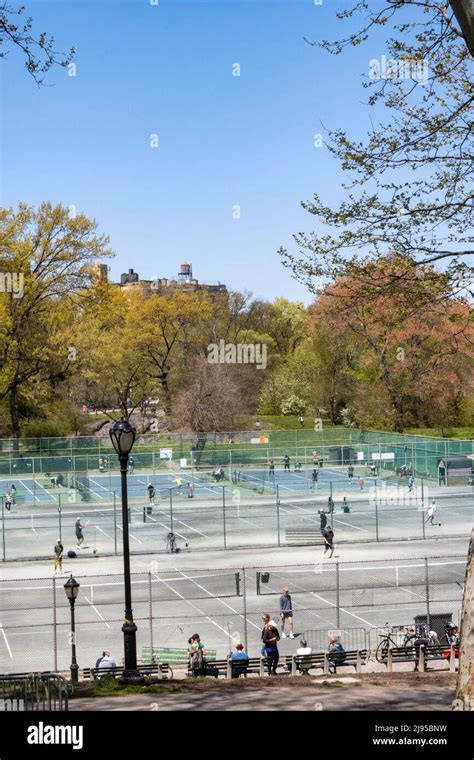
{"x":166,"y":69}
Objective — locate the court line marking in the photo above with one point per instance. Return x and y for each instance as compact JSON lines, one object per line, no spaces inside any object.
{"x":191,"y":604}
{"x":314,"y":520}
{"x":183,"y":523}
{"x":93,"y":605}
{"x":96,"y":483}
{"x":102,"y":531}
{"x":130,"y":534}
{"x":31,"y":492}
{"x":236,"y":612}
{"x":6,"y":641}
{"x":50,"y":496}
{"x":332,"y":604}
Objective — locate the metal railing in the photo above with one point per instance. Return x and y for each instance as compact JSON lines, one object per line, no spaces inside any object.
{"x":33,"y":692}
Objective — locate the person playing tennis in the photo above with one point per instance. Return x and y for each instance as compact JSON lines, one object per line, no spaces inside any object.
{"x":79,"y":536}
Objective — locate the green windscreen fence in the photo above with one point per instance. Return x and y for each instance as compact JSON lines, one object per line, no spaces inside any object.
{"x":41,"y":456}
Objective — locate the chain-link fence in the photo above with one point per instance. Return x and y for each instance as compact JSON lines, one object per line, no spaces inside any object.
{"x":386,"y":452}
{"x":235,"y":516}
{"x":223,"y":605}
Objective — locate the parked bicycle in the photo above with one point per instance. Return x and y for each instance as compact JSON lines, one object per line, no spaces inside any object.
{"x":410,"y":636}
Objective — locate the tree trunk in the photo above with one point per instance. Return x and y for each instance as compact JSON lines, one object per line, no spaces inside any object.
{"x":14,"y":417}
{"x":464,"y":12}
{"x":464,"y":688}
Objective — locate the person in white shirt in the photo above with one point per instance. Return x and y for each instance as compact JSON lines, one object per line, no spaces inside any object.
{"x":431,"y":512}
{"x":304,"y":666}
{"x":105,"y":665}
{"x":304,"y":648}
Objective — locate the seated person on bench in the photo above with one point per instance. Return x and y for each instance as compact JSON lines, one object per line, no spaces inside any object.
{"x":240,"y":661}
{"x":304,"y":664}
{"x":337,"y":653}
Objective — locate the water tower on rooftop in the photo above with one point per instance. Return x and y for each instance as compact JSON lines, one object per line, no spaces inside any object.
{"x":185,"y":274}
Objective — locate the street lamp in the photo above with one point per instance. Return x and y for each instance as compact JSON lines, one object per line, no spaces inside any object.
{"x":71,"y":588}
{"x":122,"y":435}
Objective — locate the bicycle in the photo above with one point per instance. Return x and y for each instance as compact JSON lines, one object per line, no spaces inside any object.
{"x":381,"y":653}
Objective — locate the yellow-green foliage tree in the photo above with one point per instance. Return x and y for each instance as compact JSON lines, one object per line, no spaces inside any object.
{"x":44,"y":261}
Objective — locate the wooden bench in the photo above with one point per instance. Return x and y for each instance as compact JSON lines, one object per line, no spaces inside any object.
{"x":160,"y":669}
{"x":303,"y":536}
{"x":171,"y":655}
{"x":236,"y":668}
{"x":304,"y":663}
{"x":419,"y":655}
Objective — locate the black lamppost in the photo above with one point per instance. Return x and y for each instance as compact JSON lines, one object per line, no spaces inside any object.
{"x":71,"y":588}
{"x":122,"y":435}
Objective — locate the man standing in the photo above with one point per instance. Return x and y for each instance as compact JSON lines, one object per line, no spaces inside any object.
{"x":322,"y":520}
{"x":58,"y":556}
{"x":286,"y":463}
{"x":151,"y":493}
{"x":350,"y":471}
{"x":79,"y":536}
{"x":271,"y":468}
{"x":301,"y":420}
{"x":286,"y":613}
{"x":328,"y":537}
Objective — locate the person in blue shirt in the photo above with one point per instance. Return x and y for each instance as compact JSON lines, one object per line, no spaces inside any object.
{"x":240,"y":661}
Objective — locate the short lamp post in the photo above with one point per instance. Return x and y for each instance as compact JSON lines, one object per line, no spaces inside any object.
{"x":71,"y":588}
{"x":122,"y":435}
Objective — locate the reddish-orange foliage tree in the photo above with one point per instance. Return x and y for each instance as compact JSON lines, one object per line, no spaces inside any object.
{"x":411,"y":342}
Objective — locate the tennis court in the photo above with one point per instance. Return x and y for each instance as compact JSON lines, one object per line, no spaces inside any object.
{"x":233,"y":519}
{"x":223,"y":604}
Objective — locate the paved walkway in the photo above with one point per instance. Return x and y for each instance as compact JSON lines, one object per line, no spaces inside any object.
{"x":351,"y":696}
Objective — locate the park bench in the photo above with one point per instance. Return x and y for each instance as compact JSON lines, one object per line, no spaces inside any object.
{"x":162,"y":670}
{"x":303,"y":536}
{"x":304,"y":663}
{"x":236,"y":668}
{"x":171,"y":655}
{"x":419,"y":655}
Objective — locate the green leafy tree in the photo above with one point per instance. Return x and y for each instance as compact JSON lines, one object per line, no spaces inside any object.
{"x":411,"y":190}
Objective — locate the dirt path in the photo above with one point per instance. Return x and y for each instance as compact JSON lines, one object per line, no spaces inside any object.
{"x":410,"y":693}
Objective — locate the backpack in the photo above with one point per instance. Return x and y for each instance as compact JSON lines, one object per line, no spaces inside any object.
{"x":197,"y":660}
{"x":71,"y":554}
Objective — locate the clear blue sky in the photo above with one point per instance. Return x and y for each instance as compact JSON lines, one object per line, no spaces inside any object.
{"x":223,"y":140}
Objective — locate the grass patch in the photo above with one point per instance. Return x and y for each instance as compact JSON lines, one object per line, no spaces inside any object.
{"x":330,"y":683}
{"x":109,"y":687}
{"x":378,"y":683}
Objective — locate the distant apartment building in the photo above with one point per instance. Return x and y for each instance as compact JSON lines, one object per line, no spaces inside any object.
{"x":162,"y":285}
